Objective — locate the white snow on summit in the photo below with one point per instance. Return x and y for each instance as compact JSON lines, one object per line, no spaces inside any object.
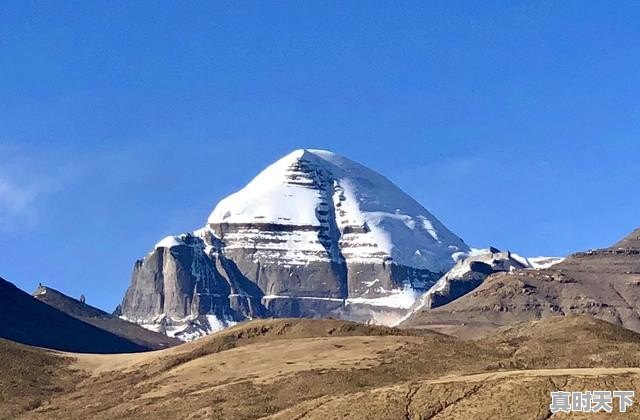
{"x":371,"y":217}
{"x":169,"y":242}
{"x":269,"y":198}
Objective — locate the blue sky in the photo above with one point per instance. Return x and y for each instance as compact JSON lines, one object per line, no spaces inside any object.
{"x":516,"y":123}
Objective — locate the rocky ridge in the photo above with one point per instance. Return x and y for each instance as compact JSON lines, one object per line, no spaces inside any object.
{"x":603,"y":283}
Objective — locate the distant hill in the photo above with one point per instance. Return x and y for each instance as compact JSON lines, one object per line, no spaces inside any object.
{"x":26,"y":320}
{"x":103,"y":320}
{"x":602,"y":283}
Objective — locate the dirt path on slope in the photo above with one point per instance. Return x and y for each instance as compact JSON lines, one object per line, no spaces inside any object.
{"x":515,"y":394}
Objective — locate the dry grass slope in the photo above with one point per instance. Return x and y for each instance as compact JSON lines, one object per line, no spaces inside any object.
{"x":294,"y":369}
{"x":29,"y":376}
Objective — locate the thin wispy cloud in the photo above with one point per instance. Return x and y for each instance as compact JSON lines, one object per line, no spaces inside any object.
{"x":14,"y":198}
{"x":30,"y":179}
{"x":19,"y":203}
{"x":23,"y":189}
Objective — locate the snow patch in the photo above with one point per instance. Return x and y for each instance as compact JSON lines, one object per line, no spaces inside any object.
{"x":397,"y":298}
{"x":169,"y":242}
{"x":544,"y":262}
{"x":186,"y":329}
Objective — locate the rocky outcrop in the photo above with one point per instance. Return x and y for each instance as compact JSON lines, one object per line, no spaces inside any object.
{"x":469,"y":273}
{"x":313,"y":235}
{"x":601,"y":283}
{"x":185,"y":288}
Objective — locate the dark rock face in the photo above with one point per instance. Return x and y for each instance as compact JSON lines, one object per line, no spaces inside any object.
{"x":315,"y":278}
{"x":462,"y":285}
{"x":176,"y":290}
{"x":468,"y":274}
{"x":173,"y":288}
{"x":174,"y":280}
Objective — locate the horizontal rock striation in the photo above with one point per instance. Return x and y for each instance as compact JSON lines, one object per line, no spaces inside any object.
{"x":313,"y":235}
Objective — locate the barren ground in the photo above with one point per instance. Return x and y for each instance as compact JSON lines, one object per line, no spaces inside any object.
{"x":294,"y":369}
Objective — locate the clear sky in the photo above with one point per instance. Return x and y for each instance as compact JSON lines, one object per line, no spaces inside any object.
{"x":515,"y":123}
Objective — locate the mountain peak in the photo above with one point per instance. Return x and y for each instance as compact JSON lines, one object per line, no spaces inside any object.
{"x":299,"y":153}
{"x":314,"y":234}
{"x":318,"y":188}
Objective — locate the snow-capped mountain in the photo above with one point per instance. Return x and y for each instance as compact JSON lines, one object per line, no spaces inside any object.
{"x":314,"y":234}
{"x":339,"y":211}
